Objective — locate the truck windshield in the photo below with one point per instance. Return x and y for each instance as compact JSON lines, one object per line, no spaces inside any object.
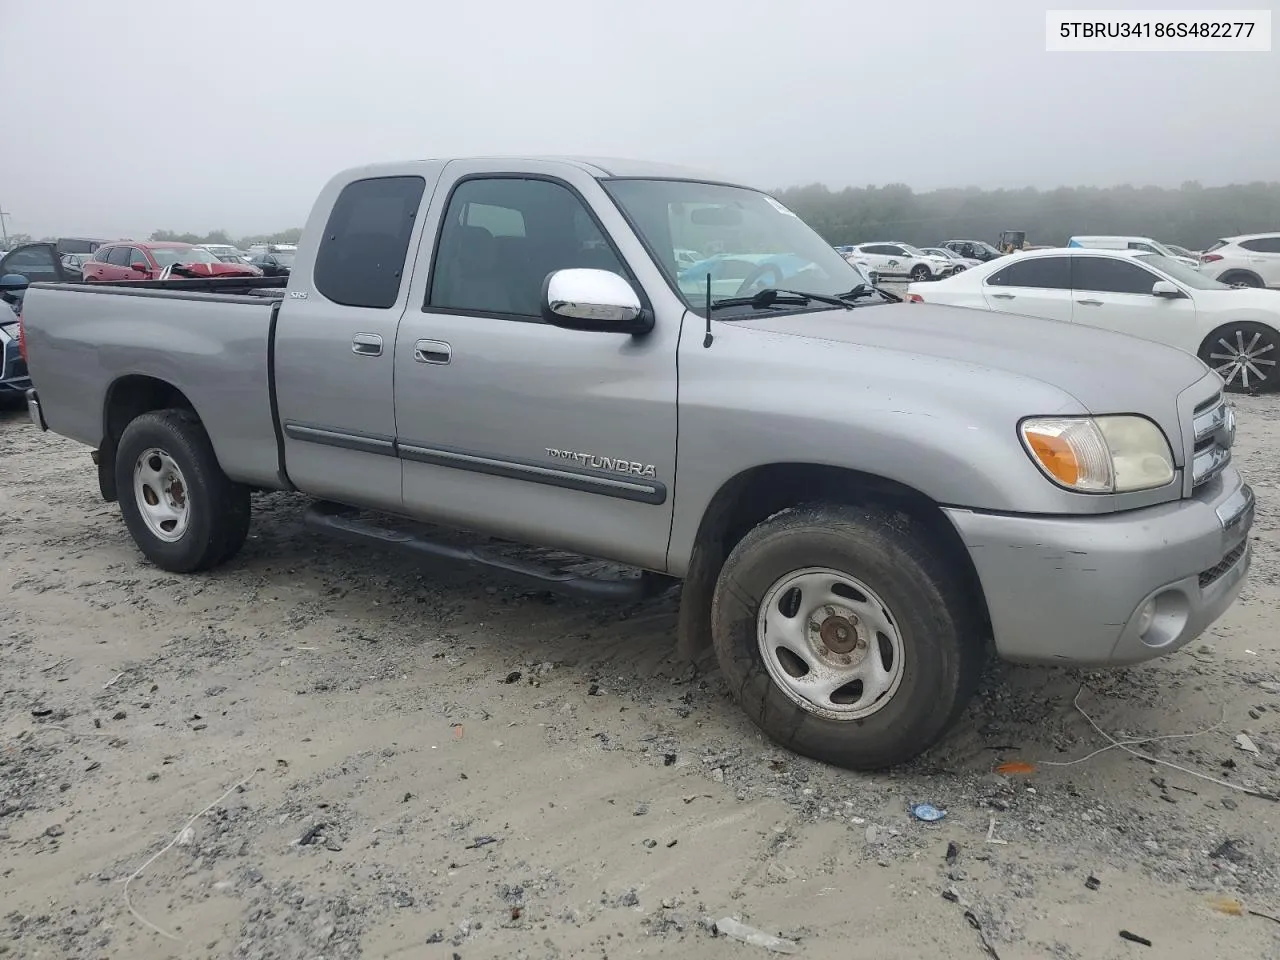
{"x":747,"y":241}
{"x":170,"y":255}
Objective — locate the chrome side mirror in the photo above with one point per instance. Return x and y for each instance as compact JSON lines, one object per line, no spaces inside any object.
{"x":582,"y":299}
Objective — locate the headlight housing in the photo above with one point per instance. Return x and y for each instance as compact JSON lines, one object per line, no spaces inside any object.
{"x":1117,"y":454}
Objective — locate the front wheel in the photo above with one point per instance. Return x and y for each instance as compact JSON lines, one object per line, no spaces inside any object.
{"x":845,"y":635}
{"x":920,"y":273}
{"x":1244,"y":355}
{"x":183,"y":512}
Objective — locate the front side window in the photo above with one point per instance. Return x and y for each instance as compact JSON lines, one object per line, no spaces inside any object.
{"x":502,"y":236}
{"x":139,"y":259}
{"x":1049,"y":273}
{"x":1111,"y":275}
{"x":361,"y":257}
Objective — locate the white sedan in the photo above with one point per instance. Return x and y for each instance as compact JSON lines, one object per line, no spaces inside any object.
{"x":1234,"y":331}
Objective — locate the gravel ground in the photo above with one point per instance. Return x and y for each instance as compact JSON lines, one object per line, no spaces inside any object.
{"x":398,"y":762}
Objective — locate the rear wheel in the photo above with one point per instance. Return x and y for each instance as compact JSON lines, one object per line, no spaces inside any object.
{"x":183,"y":512}
{"x":1240,"y":279}
{"x":1245,"y":355}
{"x":845,"y":635}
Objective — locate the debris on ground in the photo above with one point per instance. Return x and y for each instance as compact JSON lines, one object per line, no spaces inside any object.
{"x":736,"y":930}
{"x":1134,"y":938}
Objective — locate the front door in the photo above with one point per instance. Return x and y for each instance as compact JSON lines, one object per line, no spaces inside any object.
{"x":1115,"y":294}
{"x":514,"y":427}
{"x":1032,"y":286}
{"x":335,"y":340}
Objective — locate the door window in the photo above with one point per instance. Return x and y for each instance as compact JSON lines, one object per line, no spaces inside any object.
{"x":502,"y":236}
{"x":1108,"y":275}
{"x":36,"y":264}
{"x":1050,"y":273}
{"x":138,"y":259}
{"x":119,"y":256}
{"x":1262,"y":245}
{"x":361,"y":257}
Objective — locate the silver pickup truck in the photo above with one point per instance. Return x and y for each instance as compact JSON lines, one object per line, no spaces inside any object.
{"x":857,"y":494}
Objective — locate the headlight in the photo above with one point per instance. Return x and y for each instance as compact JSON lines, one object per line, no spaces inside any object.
{"x":1099,"y":454}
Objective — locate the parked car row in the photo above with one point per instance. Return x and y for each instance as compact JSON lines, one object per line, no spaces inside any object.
{"x":1234,"y":331}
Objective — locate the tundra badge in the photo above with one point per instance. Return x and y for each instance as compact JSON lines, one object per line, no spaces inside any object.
{"x":613,"y":464}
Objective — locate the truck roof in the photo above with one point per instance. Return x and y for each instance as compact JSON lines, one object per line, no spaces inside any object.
{"x":599,"y":167}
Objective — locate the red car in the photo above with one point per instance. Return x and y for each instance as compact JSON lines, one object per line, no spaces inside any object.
{"x":133,"y":260}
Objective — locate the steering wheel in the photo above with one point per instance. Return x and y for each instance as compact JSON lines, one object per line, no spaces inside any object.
{"x":758,"y":274}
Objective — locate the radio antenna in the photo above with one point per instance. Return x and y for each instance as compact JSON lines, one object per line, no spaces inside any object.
{"x":706,"y":340}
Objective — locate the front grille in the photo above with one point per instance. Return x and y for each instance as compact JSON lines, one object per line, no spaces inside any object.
{"x":1222,"y":566}
{"x":1214,"y":432}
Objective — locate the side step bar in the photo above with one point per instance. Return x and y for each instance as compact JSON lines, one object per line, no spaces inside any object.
{"x":346,"y":524}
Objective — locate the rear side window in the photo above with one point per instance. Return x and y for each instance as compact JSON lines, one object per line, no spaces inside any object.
{"x":1050,"y":273}
{"x":361,"y":256}
{"x":1107,"y":275}
{"x":119,"y":256}
{"x":1262,"y":245}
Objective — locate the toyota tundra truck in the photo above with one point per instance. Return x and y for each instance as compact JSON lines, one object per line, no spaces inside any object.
{"x":504,"y":363}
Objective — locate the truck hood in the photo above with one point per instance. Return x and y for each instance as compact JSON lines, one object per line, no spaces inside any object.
{"x":1106,"y":372}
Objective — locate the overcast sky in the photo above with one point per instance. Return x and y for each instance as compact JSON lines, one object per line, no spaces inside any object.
{"x":120,"y":119}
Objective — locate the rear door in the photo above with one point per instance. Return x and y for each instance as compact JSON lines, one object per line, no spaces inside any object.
{"x":1033,"y":287}
{"x":117,"y":264}
{"x":1115,"y":293}
{"x":1264,"y":258}
{"x":336,"y":334}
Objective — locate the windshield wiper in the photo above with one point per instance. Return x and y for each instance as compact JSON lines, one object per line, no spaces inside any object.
{"x":773,"y":297}
{"x":865,"y":290}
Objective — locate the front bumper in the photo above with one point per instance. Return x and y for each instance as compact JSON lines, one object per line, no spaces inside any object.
{"x":1072,"y":590}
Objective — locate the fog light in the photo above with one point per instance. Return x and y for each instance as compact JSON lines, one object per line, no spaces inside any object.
{"x":1146,"y":617}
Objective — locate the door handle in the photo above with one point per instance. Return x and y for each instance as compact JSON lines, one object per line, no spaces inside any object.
{"x":1002,"y":296}
{"x":1090,"y":303}
{"x":432,"y":351}
{"x":366,"y":345}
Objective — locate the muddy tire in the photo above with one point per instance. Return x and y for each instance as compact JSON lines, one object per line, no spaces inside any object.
{"x":845,"y":635}
{"x":183,"y":512}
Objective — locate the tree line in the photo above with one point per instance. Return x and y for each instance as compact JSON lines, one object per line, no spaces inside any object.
{"x":1191,"y":215}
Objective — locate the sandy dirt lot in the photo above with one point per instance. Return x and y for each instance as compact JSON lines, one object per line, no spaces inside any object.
{"x":397,"y":761}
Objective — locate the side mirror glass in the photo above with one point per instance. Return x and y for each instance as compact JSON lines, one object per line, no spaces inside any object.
{"x":13,"y":283}
{"x":582,"y":299}
{"x":1163,"y":288}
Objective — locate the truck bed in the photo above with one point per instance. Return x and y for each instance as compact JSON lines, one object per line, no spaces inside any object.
{"x":210,"y":338}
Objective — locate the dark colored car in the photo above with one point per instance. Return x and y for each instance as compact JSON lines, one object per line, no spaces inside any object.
{"x":973,"y":249}
{"x":39,"y":263}
{"x":273,"y":264}
{"x":14,"y":379}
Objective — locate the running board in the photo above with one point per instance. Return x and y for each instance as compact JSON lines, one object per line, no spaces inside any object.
{"x":346,"y":524}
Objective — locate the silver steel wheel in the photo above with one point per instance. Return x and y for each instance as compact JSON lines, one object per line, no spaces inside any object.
{"x":1245,"y":363}
{"x":830,"y":644}
{"x":161,"y":494}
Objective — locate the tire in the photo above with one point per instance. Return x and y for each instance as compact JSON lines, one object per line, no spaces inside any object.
{"x":1240,"y":278}
{"x":897,"y":569}
{"x":182,"y":511}
{"x":1246,"y":355}
{"x":920,"y":273}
